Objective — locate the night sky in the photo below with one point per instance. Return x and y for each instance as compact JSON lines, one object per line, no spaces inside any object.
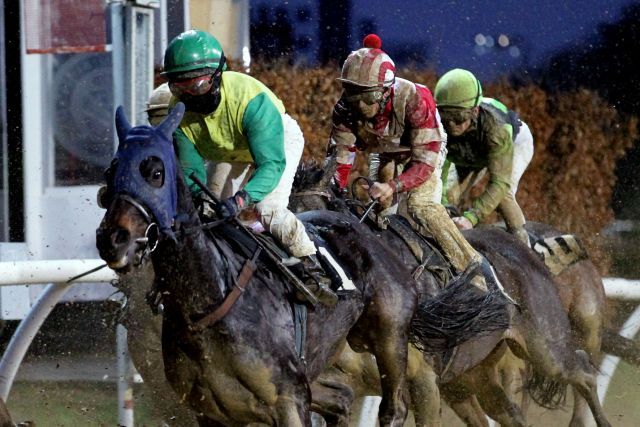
{"x":455,"y":33}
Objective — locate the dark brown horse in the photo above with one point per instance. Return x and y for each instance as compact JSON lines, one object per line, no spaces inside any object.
{"x":245,"y":368}
{"x":541,"y":333}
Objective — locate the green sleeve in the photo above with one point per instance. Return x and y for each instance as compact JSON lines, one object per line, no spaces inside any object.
{"x":190,"y":160}
{"x":445,"y":177}
{"x":499,"y":167}
{"x":262,"y":124}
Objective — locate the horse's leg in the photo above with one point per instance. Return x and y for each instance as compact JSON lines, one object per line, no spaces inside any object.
{"x":332,"y":400}
{"x":290,"y":412}
{"x":496,"y":403}
{"x":591,"y":342}
{"x":583,"y":380}
{"x":582,"y":296}
{"x":469,"y":411}
{"x":390,"y":351}
{"x":512,"y":372}
{"x":423,"y":389}
{"x":383,"y":334}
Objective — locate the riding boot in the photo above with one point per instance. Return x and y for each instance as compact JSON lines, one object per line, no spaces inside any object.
{"x":317,"y":280}
{"x":477,"y":277}
{"x":478,"y":269}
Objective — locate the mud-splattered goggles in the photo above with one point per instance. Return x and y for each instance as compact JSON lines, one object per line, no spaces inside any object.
{"x":369,"y":96}
{"x":456,"y":115}
{"x":193,"y":86}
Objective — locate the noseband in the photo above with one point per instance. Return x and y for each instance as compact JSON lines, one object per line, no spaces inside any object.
{"x":151,"y":234}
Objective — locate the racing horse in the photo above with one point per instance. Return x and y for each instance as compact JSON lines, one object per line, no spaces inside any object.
{"x":541,"y":332}
{"x":229,"y":332}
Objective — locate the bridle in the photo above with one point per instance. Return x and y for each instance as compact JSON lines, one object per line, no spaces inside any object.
{"x":151,"y":234}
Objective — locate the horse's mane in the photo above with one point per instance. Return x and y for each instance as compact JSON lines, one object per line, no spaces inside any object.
{"x":308,"y":175}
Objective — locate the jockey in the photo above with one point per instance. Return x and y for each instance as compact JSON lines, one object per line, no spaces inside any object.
{"x":395,"y":121}
{"x":158,"y":104}
{"x":481,"y":133}
{"x":232,"y":117}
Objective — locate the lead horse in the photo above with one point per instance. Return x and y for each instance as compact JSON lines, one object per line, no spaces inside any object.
{"x":541,"y":333}
{"x":244,"y":367}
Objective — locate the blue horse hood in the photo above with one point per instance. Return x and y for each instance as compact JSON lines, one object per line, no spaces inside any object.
{"x":137,"y":144}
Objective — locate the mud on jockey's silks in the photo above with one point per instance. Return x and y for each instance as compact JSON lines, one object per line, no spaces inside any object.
{"x":137,"y":144}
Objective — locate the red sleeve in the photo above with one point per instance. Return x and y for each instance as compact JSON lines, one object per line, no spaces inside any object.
{"x":426,"y":139}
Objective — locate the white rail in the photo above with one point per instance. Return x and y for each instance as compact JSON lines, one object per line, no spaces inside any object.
{"x":52,"y":271}
{"x":55,"y":272}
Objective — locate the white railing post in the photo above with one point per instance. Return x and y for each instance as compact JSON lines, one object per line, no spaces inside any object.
{"x":125,"y":374}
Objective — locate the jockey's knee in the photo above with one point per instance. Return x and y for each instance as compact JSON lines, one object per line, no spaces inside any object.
{"x":427,"y":212}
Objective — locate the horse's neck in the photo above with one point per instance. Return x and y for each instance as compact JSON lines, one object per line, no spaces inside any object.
{"x":191,"y":267}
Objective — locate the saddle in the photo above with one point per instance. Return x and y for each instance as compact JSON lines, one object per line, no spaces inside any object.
{"x":424,"y":248}
{"x":275,"y":258}
{"x":261,"y":249}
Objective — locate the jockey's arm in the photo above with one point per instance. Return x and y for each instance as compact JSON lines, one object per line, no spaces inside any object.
{"x":263,"y":127}
{"x":191,"y":161}
{"x":425,"y":153}
{"x":425,"y":137}
{"x":345,"y":152}
{"x":500,"y":164}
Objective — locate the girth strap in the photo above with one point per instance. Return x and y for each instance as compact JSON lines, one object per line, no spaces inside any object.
{"x":245,"y":275}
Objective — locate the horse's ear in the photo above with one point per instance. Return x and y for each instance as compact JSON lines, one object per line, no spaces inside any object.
{"x":122,"y":124}
{"x":172,"y":121}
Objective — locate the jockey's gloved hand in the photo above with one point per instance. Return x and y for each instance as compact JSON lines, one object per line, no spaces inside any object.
{"x":232,"y":206}
{"x":452,"y":210}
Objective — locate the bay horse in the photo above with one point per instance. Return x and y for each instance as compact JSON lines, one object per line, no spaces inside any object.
{"x":244,"y":367}
{"x":541,"y":333}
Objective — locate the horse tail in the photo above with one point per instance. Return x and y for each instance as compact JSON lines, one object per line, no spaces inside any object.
{"x":617,"y":345}
{"x":546,"y":392}
{"x":457,"y":314}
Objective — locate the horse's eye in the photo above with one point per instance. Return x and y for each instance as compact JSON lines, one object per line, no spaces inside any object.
{"x":157,"y":175}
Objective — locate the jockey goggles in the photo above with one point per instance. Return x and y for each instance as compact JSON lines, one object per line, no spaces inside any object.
{"x":193,"y":86}
{"x":456,"y":115}
{"x":369,"y":95}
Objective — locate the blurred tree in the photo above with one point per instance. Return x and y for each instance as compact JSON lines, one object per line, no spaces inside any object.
{"x":607,"y":63}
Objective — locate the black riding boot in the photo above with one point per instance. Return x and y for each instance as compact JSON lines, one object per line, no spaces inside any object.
{"x":317,"y":280}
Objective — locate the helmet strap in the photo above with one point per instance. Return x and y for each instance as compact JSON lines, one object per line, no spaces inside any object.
{"x":207,"y":103}
{"x":386,"y":97}
{"x":475,"y":103}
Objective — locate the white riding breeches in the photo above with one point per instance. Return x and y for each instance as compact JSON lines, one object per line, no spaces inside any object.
{"x":227,"y":178}
{"x":522,"y":155}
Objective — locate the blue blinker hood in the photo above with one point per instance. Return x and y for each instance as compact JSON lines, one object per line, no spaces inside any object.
{"x":137,"y":144}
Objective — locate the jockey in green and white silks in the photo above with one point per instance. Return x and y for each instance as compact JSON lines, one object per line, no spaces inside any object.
{"x":483,"y":133}
{"x":234,"y":118}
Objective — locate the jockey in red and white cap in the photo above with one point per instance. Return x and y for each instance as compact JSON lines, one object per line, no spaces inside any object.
{"x":396,"y":122}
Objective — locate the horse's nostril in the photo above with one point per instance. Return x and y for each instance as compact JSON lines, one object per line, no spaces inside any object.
{"x":120,"y":237}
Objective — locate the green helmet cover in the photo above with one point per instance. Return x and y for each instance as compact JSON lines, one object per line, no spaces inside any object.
{"x":193,"y":50}
{"x":458,"y":88}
